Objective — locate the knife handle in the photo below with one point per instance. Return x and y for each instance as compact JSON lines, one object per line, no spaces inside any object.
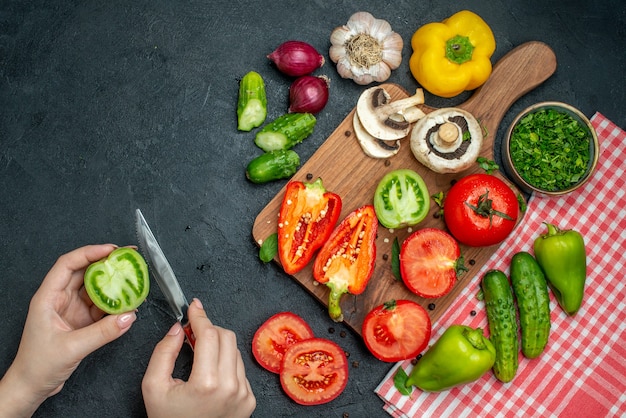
{"x":190,"y":337}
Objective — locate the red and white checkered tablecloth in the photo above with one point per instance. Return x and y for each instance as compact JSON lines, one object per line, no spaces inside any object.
{"x":582,"y":372}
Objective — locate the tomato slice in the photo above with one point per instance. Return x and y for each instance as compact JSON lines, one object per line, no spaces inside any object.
{"x":314,"y":371}
{"x":118,"y":283}
{"x":401,"y":199}
{"x":428,"y":262}
{"x":308,"y":214}
{"x":346,"y":261}
{"x":277,"y":334}
{"x":396,"y":330}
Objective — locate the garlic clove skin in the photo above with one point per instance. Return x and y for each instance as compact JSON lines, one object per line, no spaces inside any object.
{"x":340,"y":36}
{"x":360,"y":22}
{"x":392,"y":50}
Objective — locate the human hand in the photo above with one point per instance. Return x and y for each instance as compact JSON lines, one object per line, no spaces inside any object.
{"x":217,"y":385}
{"x":62,"y":327}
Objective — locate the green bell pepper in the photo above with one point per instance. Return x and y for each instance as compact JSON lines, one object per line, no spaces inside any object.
{"x":461,"y":355}
{"x":562,"y":257}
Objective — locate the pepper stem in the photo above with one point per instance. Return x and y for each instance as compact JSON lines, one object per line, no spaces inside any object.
{"x":475,"y":337}
{"x":459,"y":49}
{"x":552,"y":229}
{"x":334,"y":308}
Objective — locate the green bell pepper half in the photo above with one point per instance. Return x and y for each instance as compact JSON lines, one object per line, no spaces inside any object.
{"x":563,"y":259}
{"x":461,"y":355}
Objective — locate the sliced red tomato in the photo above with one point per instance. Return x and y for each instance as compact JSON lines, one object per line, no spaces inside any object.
{"x":275,"y":336}
{"x":346,"y":261}
{"x":314,"y":371}
{"x":308,"y":214}
{"x":428,"y":262}
{"x":480,"y":210}
{"x":396,"y":330}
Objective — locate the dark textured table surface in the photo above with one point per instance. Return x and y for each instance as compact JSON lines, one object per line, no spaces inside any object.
{"x":106,"y":107}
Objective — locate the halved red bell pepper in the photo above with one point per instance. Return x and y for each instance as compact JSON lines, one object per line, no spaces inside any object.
{"x":346,"y":262}
{"x":308,"y":214}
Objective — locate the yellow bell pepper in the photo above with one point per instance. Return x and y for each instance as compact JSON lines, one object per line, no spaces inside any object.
{"x":454,"y":55}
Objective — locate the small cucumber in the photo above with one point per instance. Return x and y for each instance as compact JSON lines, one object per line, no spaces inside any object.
{"x":285,"y":131}
{"x":252,"y":103}
{"x":502,"y":320}
{"x":273,"y":165}
{"x":531,"y":290}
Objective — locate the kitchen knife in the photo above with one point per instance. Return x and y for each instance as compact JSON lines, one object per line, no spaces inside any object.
{"x":164,"y":275}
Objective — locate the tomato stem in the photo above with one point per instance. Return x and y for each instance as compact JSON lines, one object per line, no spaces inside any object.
{"x":484,"y":208}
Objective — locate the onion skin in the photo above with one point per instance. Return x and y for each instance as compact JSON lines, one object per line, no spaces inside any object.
{"x":308,"y":94}
{"x":296,"y":58}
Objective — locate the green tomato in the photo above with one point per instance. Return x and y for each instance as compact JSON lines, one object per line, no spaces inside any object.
{"x":401,"y":199}
{"x":118,"y":283}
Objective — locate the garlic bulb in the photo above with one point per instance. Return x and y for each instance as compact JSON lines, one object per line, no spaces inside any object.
{"x":365,"y":49}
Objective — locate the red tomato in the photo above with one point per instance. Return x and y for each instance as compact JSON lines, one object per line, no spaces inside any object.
{"x":277,"y":334}
{"x":314,"y":371}
{"x":396,"y":330}
{"x":428,"y":262}
{"x":480,"y":210}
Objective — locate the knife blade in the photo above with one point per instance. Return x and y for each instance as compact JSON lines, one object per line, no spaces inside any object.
{"x":163,"y":274}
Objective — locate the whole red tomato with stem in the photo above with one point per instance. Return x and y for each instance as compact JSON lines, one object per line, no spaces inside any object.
{"x":480,"y":210}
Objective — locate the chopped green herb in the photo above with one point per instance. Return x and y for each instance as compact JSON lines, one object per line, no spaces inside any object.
{"x":438,"y":198}
{"x":521,"y":202}
{"x":399,"y":381}
{"x":460,"y":266}
{"x":488,"y":165}
{"x":269,"y":248}
{"x":550,"y":149}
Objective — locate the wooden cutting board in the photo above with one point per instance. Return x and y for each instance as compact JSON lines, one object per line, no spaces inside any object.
{"x":347,"y":171}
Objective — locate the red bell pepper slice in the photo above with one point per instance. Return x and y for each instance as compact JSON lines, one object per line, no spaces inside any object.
{"x":308,"y":214}
{"x":346,"y":262}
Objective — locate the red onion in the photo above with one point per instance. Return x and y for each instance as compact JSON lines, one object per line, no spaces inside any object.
{"x":308,"y":94}
{"x":296,"y":58}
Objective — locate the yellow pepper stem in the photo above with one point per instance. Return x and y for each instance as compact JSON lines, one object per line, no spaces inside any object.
{"x":459,"y":49}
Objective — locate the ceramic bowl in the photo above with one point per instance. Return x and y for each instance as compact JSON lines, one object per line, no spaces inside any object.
{"x":516,"y":173}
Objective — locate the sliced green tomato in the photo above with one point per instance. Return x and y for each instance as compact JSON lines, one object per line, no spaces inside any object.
{"x":401,"y":199}
{"x":118,"y":283}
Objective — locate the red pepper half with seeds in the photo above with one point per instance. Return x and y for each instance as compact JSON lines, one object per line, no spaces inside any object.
{"x":307,"y":216}
{"x":346,"y":261}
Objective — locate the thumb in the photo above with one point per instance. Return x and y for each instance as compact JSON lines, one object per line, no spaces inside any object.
{"x":102,"y":332}
{"x":161,"y":365}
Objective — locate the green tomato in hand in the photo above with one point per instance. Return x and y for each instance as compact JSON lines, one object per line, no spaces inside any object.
{"x":118,"y":283}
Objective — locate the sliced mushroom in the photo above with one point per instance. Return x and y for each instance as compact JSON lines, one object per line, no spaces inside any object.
{"x":373,"y":147}
{"x":447,"y":140}
{"x":385,"y":119}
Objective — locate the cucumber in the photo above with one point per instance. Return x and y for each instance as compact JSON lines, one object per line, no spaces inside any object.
{"x":531,"y":290}
{"x":502,"y":319}
{"x":252,"y":102}
{"x":285,"y":131}
{"x":273,"y":165}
